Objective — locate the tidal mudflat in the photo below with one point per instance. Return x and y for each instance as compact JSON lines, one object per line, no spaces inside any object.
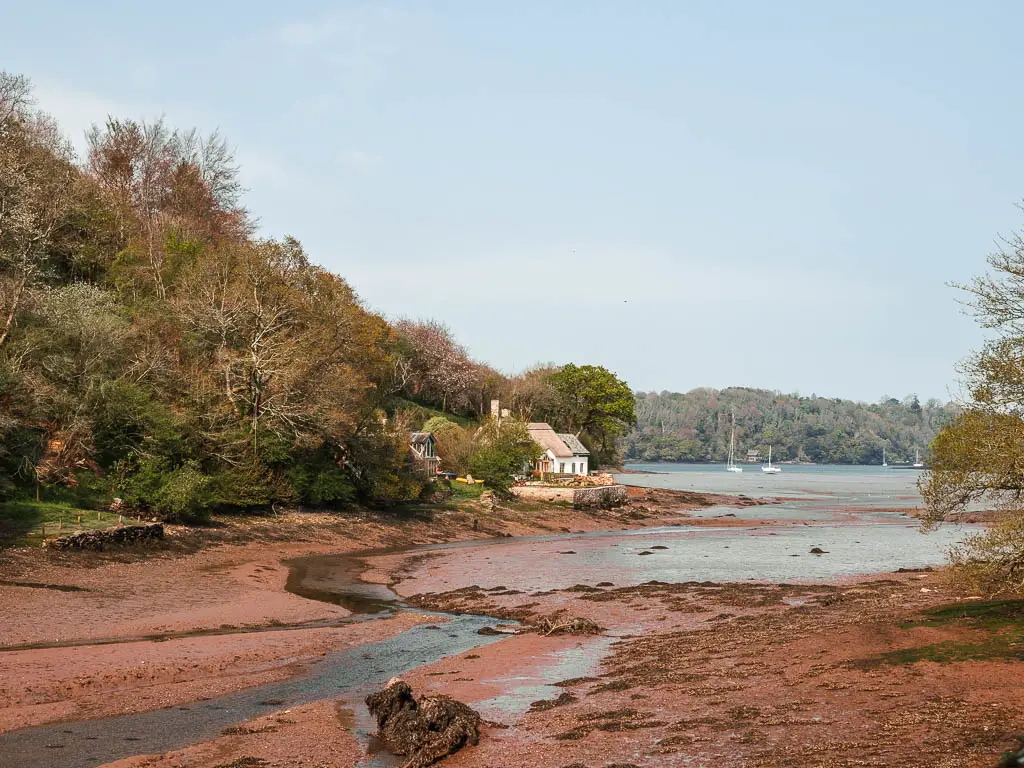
{"x":811,"y":631}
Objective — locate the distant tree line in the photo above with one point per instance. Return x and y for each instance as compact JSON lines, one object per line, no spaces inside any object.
{"x":695,"y":427}
{"x":153,"y":347}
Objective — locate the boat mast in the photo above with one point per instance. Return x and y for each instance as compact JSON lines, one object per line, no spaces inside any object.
{"x":732,"y":441}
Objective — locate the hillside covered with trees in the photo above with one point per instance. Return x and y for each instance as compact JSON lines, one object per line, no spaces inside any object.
{"x":155,"y":348}
{"x":695,"y":427}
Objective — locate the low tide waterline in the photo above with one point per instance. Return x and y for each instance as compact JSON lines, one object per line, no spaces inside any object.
{"x":348,"y":675}
{"x":678,"y":554}
{"x":863,"y":486}
{"x":855,"y":515}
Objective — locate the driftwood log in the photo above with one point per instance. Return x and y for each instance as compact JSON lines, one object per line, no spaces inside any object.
{"x":560,"y":625}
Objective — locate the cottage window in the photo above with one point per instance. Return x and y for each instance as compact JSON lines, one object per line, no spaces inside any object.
{"x":574,"y":467}
{"x":561,"y":467}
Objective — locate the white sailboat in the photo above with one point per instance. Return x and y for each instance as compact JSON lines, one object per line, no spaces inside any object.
{"x":731,"y":466}
{"x":918,"y":464}
{"x":768,"y":469}
{"x":884,"y":462}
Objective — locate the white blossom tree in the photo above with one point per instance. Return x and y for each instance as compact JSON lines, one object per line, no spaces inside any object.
{"x":441,"y":369}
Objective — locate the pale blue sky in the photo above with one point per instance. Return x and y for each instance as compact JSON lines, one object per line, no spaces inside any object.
{"x":716,"y":193}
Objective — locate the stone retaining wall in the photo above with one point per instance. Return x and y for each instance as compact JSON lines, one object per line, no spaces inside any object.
{"x":580,"y":498}
{"x":604,"y":496}
{"x":95,"y":540}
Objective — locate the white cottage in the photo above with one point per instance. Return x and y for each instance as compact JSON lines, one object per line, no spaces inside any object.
{"x":564,"y":454}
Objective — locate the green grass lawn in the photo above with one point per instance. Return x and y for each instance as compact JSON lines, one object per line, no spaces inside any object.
{"x":22,"y":520}
{"x":466,"y":491}
{"x":997,"y":627}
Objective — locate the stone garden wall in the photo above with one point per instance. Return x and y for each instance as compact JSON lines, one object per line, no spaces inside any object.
{"x":580,"y":498}
{"x":96,"y":540}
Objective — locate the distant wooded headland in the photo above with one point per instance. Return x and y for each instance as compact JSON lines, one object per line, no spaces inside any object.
{"x":694,"y":427}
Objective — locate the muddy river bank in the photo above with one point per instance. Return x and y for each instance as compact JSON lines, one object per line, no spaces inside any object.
{"x":724,"y":638}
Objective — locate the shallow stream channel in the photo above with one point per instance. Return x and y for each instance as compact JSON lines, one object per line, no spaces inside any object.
{"x":876,"y":538}
{"x":348,"y":675}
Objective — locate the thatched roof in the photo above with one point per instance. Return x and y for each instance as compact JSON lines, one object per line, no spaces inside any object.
{"x":546,"y":438}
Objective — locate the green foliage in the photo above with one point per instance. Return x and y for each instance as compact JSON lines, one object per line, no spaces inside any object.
{"x":505,"y":450}
{"x":419,"y":414}
{"x":979,"y":458}
{"x":128,"y":420}
{"x":181,"y":253}
{"x":597,"y":404}
{"x":592,"y":396}
{"x":992,"y":561}
{"x":319,"y":481}
{"x":496,"y":465}
{"x":184,"y":492}
{"x":439,"y":425}
{"x":384,"y":471}
{"x":695,"y":426}
{"x":246,"y":487}
{"x":20,"y":444}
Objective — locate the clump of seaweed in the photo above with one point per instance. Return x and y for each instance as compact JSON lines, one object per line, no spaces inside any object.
{"x":559,"y":625}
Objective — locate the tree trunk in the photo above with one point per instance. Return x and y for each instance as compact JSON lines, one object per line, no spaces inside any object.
{"x":9,"y":322}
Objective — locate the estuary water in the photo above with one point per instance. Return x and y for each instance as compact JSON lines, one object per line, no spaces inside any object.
{"x":856,"y":515}
{"x":862,"y":485}
{"x":818,"y":491}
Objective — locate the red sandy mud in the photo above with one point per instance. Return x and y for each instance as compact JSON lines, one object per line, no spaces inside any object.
{"x":227,"y":580}
{"x":684,"y":674}
{"x":754,"y":675}
{"x":212,"y":589}
{"x":86,"y":682}
{"x":732,"y":674}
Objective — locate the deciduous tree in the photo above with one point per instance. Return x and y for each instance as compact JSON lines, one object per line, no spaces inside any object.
{"x":442,"y":372}
{"x":979,"y":458}
{"x":595,"y":404}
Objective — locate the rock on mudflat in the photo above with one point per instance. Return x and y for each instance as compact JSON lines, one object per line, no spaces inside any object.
{"x":424,"y":730}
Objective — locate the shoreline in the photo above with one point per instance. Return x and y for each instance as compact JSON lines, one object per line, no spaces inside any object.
{"x":638,"y":622}
{"x":210,"y":612}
